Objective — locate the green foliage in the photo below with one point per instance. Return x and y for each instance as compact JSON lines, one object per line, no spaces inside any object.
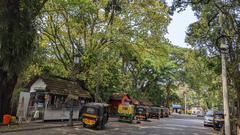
{"x":108,"y":41}
{"x":122,"y":48}
{"x":206,"y":35}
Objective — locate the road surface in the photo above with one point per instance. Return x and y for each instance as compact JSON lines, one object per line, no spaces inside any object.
{"x":175,"y":125}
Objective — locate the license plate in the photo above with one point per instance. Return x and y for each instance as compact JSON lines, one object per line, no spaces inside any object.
{"x":88,"y":121}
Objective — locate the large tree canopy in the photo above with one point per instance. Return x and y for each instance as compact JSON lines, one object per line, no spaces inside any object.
{"x":107,"y":38}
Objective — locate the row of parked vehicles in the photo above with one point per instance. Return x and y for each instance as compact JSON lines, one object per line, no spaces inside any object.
{"x":214,"y":119}
{"x":129,"y":112}
{"x":95,"y":115}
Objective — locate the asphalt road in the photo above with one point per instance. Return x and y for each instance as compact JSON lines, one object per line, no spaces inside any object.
{"x":175,"y":125}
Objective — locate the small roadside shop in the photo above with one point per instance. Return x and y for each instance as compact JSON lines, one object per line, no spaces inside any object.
{"x":116,"y":99}
{"x":176,"y":108}
{"x":145,"y":103}
{"x":52,"y":98}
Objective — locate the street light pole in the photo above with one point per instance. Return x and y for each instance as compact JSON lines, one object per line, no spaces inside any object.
{"x":71,"y":114}
{"x":224,"y":81}
{"x":76,"y":61}
{"x":185,"y":102}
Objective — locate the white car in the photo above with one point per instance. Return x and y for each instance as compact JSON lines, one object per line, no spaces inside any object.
{"x":200,"y":114}
{"x":208,"y":119}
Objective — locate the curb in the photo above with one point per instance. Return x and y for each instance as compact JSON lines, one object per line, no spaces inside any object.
{"x":35,"y":128}
{"x":43,"y":127}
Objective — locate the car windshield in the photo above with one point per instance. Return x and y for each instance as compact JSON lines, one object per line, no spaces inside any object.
{"x":209,"y":115}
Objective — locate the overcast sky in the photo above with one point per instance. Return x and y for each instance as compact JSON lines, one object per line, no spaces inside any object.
{"x":178,"y":26}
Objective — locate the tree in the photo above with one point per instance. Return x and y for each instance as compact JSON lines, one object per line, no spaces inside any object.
{"x":205,"y":34}
{"x":105,"y":38}
{"x":17,"y":43}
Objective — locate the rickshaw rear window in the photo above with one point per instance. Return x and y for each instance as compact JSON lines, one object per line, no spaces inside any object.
{"x":90,"y":110}
{"x":219,"y":116}
{"x":140,"y":109}
{"x":155,"y":109}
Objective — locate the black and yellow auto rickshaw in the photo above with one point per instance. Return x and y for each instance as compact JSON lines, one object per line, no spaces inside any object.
{"x":94,"y":115}
{"x":164,"y":112}
{"x":155,"y":112}
{"x":218,"y":120}
{"x":126,"y":112}
{"x":142,"y":113}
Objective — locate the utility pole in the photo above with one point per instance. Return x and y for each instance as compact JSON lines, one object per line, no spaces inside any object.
{"x":76,"y":61}
{"x":224,"y":81}
{"x":98,"y":78}
{"x":185,"y":101}
{"x":97,"y":83}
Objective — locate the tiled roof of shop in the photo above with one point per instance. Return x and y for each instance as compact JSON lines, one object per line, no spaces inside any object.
{"x":62,"y":86}
{"x":118,"y":96}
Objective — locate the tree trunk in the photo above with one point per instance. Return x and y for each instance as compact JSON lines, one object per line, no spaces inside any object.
{"x":237,"y":88}
{"x":168,"y":94}
{"x":7,"y":84}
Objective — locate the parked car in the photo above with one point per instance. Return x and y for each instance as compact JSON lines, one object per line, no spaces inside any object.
{"x":94,"y":115}
{"x":208,"y":118}
{"x":200,"y":114}
{"x":155,"y":112}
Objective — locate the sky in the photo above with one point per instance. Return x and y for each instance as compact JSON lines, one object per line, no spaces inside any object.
{"x":178,"y":26}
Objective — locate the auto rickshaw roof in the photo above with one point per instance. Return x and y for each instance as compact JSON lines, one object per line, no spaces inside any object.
{"x":141,"y":106}
{"x":155,"y":107}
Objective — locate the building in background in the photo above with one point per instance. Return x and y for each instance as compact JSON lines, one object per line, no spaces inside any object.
{"x":116,"y":99}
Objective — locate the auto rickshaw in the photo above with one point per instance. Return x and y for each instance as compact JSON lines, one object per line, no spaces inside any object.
{"x":218,"y":120}
{"x":126,"y":112}
{"x":142,"y":113}
{"x":94,"y":115}
{"x":155,"y":112}
{"x":164,"y":112}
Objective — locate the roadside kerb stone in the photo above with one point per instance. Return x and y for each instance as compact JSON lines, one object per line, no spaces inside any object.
{"x":38,"y":127}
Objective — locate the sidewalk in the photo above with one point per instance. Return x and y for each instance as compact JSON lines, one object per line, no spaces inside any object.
{"x":34,"y":126}
{"x":39,"y":125}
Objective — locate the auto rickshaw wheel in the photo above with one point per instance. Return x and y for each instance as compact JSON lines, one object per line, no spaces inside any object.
{"x":120,"y":119}
{"x":100,"y":126}
{"x":131,"y":120}
{"x":84,"y":125}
